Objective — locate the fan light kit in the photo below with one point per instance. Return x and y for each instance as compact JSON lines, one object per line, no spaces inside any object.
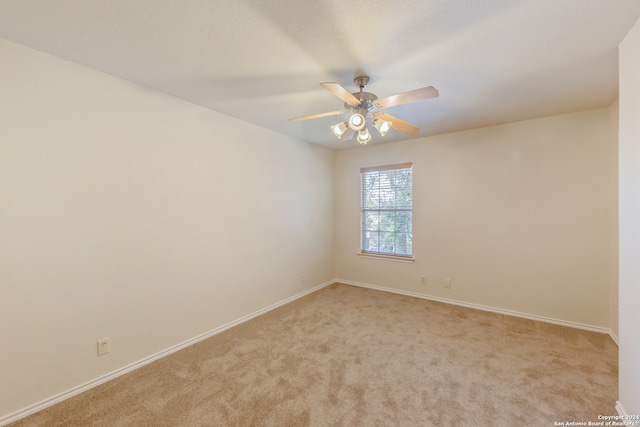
{"x":363,"y":106}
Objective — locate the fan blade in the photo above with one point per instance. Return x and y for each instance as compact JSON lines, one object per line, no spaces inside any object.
{"x":341,"y":93}
{"x":316,"y":116}
{"x":398,"y":124}
{"x":407,"y":97}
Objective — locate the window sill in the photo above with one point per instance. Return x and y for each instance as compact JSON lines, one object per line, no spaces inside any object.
{"x":405,"y":259}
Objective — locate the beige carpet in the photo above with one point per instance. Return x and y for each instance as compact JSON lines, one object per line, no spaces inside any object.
{"x":347,"y":356}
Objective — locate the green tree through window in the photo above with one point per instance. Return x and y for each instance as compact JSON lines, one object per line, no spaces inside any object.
{"x":386,"y":209}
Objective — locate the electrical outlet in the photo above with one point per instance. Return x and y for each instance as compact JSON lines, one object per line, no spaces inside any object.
{"x":103,"y":346}
{"x":447,"y":283}
{"x":423,"y":280}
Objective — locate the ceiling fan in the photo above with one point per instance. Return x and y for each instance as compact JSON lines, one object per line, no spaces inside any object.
{"x":365,"y":105}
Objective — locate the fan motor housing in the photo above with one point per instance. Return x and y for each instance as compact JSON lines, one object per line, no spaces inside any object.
{"x":366,"y":101}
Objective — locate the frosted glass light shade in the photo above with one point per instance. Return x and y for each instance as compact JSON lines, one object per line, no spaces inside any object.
{"x":357,"y":122}
{"x":364,"y":136}
{"x":342,"y":131}
{"x":382,"y":126}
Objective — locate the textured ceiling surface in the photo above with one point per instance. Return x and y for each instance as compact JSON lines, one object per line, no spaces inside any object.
{"x":493,"y":61}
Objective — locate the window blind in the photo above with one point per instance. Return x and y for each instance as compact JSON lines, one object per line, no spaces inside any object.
{"x":387,"y":209}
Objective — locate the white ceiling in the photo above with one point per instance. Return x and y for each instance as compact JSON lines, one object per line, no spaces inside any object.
{"x":493,"y":61}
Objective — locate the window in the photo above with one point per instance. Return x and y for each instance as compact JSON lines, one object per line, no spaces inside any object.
{"x":386,"y":210}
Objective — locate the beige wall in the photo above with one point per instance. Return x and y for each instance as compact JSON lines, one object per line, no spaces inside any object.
{"x":129,"y":214}
{"x":519,"y":216}
{"x":629,"y":176}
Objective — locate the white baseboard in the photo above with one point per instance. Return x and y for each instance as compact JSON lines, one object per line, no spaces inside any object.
{"x":614,"y":337}
{"x":15,"y":416}
{"x":484,"y":308}
{"x":620,"y":409}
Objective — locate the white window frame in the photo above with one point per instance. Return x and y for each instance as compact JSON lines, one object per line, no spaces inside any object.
{"x":387,"y":255}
